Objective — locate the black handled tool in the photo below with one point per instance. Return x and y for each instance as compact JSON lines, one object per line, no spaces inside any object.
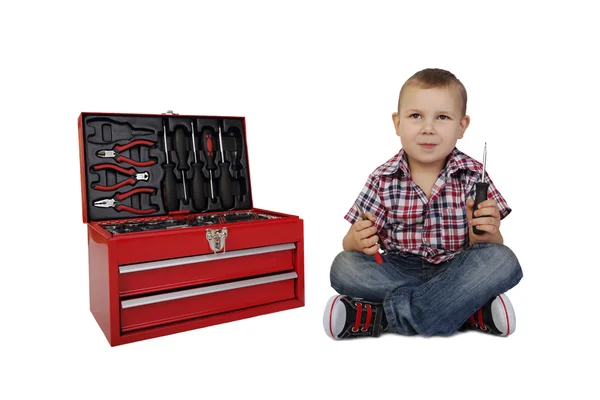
{"x":182,"y":153}
{"x":169,"y":187}
{"x":225,"y":181}
{"x":198,"y":198}
{"x":481,"y":191}
{"x":209,"y":153}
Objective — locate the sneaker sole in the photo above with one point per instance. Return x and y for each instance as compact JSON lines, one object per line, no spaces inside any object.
{"x":334,"y":317}
{"x":503,"y":315}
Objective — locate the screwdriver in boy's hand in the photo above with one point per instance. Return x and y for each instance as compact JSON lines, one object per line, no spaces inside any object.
{"x":481,"y":192}
{"x":362,"y":216}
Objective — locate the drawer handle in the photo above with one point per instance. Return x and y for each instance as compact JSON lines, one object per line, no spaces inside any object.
{"x":216,"y":239}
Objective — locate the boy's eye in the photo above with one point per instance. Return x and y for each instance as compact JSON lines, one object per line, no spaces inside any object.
{"x":443,"y":117}
{"x":415,"y":116}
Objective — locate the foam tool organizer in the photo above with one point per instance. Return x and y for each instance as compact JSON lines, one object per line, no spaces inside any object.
{"x":174,"y":240}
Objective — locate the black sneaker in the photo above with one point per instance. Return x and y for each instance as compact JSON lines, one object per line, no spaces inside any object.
{"x":347,"y":317}
{"x":497,"y":316}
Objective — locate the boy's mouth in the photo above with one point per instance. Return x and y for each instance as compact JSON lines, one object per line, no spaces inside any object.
{"x":428,"y":145}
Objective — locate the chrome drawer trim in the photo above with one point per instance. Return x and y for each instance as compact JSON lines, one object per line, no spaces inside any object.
{"x":125,"y":269}
{"x":159,"y":298}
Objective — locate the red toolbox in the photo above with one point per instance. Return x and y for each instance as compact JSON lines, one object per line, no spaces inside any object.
{"x":174,"y":240}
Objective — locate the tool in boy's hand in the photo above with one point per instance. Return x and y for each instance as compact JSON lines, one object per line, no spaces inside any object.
{"x":115,"y":153}
{"x":116,"y":200}
{"x":209,"y":153}
{"x":362,"y":216}
{"x":198,"y":197}
{"x":225,"y":181}
{"x":481,"y":192}
{"x":169,"y":186}
{"x":182,"y":153}
{"x":134,"y":176}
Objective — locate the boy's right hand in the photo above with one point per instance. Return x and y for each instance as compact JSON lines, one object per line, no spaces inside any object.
{"x":362,"y":236}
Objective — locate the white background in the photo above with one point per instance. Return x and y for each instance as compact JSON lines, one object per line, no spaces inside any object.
{"x":317,"y":82}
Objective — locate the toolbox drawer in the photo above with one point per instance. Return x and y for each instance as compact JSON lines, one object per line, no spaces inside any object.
{"x":138,"y":248}
{"x":161,"y":309}
{"x":135,"y":279}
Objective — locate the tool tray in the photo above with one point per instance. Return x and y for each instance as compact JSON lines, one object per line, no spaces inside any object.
{"x":126,"y":159}
{"x":174,"y":240}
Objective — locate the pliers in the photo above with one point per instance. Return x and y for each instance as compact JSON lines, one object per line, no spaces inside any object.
{"x":114,"y":153}
{"x":114,"y":202}
{"x":134,"y":176}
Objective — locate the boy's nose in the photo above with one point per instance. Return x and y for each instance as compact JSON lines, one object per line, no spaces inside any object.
{"x":427,"y":128}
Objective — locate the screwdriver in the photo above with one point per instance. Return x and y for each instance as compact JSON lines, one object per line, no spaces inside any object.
{"x":362,"y":216}
{"x":481,"y":191}
{"x":198,"y":197}
{"x":209,"y":152}
{"x":225,"y":180}
{"x":182,"y":153}
{"x":170,"y":190}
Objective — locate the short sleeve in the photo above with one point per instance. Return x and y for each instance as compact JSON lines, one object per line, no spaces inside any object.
{"x":494,"y":193}
{"x":370,"y":201}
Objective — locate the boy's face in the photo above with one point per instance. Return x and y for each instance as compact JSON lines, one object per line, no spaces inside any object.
{"x":429,"y":123}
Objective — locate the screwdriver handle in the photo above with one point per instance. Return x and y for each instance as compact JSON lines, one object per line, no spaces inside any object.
{"x":481,"y":191}
{"x":198,"y":198}
{"x":181,"y":148}
{"x":378,"y":258}
{"x":170,"y":188}
{"x":225,"y":191}
{"x":208,"y":147}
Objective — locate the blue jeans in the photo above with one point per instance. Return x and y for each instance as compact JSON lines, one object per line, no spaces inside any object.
{"x":423,"y":298}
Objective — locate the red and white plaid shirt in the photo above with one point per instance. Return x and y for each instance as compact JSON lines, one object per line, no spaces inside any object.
{"x":434,"y":229}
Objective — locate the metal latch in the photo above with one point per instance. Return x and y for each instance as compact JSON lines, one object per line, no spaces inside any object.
{"x":216,"y":239}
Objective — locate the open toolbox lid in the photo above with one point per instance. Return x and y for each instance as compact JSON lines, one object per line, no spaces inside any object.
{"x":132,"y":165}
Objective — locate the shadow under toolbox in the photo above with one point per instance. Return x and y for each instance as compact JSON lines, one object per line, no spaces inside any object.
{"x":174,"y":241}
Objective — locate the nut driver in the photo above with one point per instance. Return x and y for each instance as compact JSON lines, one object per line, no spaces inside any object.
{"x":481,"y":191}
{"x":225,"y":180}
{"x":115,"y":153}
{"x":361,"y":214}
{"x":169,"y":184}
{"x":199,"y":200}
{"x":131,"y":172}
{"x":115,"y":202}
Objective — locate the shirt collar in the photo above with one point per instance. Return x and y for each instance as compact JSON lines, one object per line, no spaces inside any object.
{"x":457,"y":161}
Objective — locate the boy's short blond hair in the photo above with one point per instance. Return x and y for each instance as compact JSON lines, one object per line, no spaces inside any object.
{"x":436,"y":78}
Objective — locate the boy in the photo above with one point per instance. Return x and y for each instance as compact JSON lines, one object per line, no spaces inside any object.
{"x":437,"y":275}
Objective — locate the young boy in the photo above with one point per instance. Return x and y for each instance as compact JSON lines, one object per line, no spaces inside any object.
{"x":437,"y":275}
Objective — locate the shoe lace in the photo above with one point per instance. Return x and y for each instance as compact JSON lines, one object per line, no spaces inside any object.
{"x":357,"y":321}
{"x":479,"y":323}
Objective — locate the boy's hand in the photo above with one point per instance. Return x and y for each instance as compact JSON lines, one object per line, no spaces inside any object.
{"x":490,"y":224}
{"x":362,"y":236}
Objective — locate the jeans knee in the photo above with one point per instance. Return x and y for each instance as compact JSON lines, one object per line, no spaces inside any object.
{"x":342,"y":267}
{"x":506,"y":262}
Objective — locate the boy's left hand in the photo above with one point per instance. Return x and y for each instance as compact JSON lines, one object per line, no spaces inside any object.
{"x":490,"y":223}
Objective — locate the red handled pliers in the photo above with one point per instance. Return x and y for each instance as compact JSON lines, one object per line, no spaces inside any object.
{"x":114,"y":153}
{"x":134,"y":176}
{"x":114,"y":202}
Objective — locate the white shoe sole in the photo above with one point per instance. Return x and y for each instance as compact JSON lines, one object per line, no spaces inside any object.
{"x":503,"y":315}
{"x":334,"y":317}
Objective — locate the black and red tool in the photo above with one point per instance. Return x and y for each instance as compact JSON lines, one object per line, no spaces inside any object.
{"x":115,"y":153}
{"x":169,"y":185}
{"x":131,"y":172}
{"x":481,"y":192}
{"x":209,"y":153}
{"x":115,"y":202}
{"x":225,"y":191}
{"x":361,"y":214}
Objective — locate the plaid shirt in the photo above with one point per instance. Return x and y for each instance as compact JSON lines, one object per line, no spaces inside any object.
{"x":407,"y":222}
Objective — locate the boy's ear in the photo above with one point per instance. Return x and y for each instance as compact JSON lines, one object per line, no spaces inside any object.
{"x":396,"y":119}
{"x":464,"y":124}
